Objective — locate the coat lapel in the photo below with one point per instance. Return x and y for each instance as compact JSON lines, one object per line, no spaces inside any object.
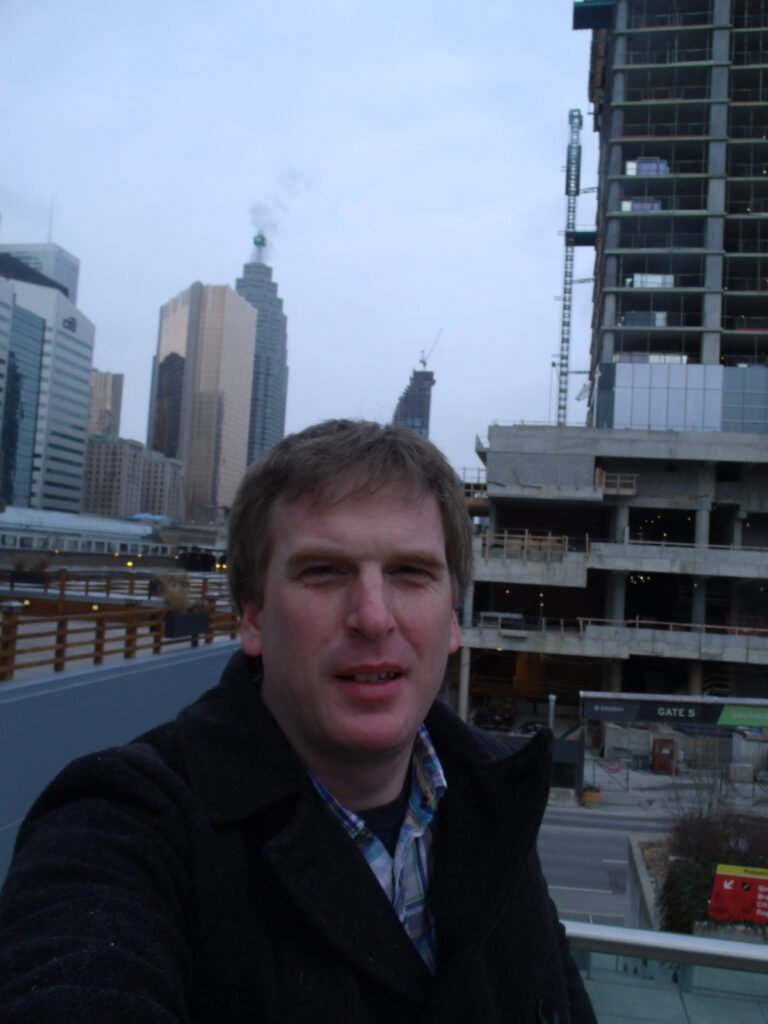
{"x":329,"y":881}
{"x":490,"y":816}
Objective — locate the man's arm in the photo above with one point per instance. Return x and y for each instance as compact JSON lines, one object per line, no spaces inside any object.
{"x":92,"y":916}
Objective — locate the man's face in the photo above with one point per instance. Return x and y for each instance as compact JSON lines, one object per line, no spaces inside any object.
{"x":355,"y":625}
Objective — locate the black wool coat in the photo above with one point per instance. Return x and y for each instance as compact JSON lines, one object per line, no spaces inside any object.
{"x":195,"y":875}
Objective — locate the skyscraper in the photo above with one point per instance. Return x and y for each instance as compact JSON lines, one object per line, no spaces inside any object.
{"x":51,"y":260}
{"x":270,"y":368}
{"x":45,"y":383}
{"x":106,"y":403}
{"x":201,"y":396}
{"x":681,"y":326}
{"x":414,"y":404}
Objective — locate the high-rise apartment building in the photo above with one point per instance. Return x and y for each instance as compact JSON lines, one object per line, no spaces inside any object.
{"x":161,"y":486}
{"x":201,"y":393}
{"x":44,"y":383}
{"x":413,"y":407}
{"x":123,"y":479}
{"x":113,"y":476}
{"x":270,"y":368}
{"x":631,"y":554}
{"x":106,"y":403}
{"x":681,"y":277}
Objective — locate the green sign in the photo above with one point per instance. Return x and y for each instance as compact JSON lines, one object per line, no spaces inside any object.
{"x":736,"y":715}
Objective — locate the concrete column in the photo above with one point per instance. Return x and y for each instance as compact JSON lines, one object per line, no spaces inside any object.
{"x":466,"y":654}
{"x":615,"y":598}
{"x":621,"y":524}
{"x":737,"y":538}
{"x":702,"y":527}
{"x":710,"y":349}
{"x":695,"y":678}
{"x":699,"y":601}
{"x":611,"y":670}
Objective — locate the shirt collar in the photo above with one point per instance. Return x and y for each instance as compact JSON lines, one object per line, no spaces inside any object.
{"x":428,"y":784}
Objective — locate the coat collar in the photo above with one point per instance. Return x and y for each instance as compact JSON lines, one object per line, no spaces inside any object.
{"x":239,"y":762}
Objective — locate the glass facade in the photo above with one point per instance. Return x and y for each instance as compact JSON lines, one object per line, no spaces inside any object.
{"x":270,"y":368}
{"x":414,"y":405}
{"x":201,"y":399}
{"x":46,"y":417}
{"x":22,"y":389}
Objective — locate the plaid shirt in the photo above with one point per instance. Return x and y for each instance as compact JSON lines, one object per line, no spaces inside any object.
{"x":405,"y":877}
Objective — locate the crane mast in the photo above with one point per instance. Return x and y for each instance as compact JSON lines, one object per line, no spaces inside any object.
{"x":572,"y":182}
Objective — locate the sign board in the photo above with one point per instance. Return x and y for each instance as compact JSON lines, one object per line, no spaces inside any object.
{"x":740,"y":894}
{"x":628,"y":710}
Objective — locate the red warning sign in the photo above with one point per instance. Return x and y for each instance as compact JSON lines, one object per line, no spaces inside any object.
{"x":740,"y":894}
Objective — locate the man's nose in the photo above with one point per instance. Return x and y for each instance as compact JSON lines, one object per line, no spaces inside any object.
{"x":370,"y":612}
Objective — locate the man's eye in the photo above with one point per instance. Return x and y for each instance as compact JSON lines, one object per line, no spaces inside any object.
{"x":320,"y":572}
{"x":415,"y":572}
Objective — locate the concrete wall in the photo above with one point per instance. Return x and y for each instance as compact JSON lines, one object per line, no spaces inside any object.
{"x":641,"y":911}
{"x":46,"y":723}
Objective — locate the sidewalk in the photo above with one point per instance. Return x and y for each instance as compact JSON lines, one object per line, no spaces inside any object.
{"x":669,"y":794}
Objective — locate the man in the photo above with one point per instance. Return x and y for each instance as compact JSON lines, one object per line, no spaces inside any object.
{"x":315,"y":839}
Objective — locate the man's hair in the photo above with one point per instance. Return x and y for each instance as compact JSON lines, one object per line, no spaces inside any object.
{"x":332,"y":461}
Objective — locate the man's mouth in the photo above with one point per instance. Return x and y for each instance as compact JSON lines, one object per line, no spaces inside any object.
{"x":377,"y":677}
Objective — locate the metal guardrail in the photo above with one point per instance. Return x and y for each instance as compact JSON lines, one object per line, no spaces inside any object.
{"x":518,"y":622}
{"x":688,"y":949}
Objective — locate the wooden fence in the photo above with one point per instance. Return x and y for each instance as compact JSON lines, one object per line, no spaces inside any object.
{"x":56,"y":641}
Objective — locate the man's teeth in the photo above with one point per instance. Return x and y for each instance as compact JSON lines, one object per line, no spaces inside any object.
{"x":379,"y":677}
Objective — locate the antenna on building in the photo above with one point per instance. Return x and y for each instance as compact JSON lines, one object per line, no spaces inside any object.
{"x":50,"y":218}
{"x":260,"y":242}
{"x":424,"y":357}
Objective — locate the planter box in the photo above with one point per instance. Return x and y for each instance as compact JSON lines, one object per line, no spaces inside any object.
{"x":180,"y":624}
{"x":30,"y":577}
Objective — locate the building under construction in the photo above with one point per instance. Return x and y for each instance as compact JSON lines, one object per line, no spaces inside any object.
{"x":414,"y":404}
{"x":632,"y":553}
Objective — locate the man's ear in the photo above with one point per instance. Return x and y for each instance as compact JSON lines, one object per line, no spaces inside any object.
{"x":455,"y":638}
{"x":250,"y":629}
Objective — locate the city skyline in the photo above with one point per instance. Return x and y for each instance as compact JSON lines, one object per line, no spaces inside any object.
{"x":407,"y":167}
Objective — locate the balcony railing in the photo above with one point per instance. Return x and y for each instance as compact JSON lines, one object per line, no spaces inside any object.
{"x":647,"y":976}
{"x":527,"y":546}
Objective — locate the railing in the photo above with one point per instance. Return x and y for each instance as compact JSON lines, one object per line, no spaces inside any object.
{"x":502,"y":621}
{"x":652,"y":976}
{"x":475,"y":491}
{"x":525,"y":545}
{"x":615,"y":483}
{"x":57,"y":641}
{"x":110,"y":583}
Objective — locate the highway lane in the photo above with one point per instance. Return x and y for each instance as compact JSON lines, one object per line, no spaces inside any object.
{"x":584,"y":856}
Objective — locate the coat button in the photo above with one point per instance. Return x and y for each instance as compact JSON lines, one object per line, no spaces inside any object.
{"x":547,"y":1011}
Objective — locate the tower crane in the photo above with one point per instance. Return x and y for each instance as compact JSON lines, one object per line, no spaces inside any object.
{"x":572,"y":182}
{"x":424,"y":357}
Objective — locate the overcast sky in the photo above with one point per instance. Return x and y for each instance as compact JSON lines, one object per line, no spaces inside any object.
{"x":405,"y":160}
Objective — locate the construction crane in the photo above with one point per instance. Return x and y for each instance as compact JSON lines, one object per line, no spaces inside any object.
{"x":572,"y":182}
{"x":424,"y":357}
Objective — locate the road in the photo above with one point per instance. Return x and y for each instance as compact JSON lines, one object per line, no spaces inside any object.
{"x":584,"y":856}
